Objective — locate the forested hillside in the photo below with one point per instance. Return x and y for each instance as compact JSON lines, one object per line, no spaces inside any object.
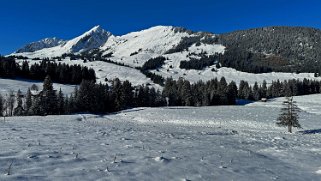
{"x":287,"y":49}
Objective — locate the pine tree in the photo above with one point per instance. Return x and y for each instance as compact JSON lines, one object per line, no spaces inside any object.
{"x":152,"y":97}
{"x":1,"y":105}
{"x":232,"y":93}
{"x":186,"y":94}
{"x":48,"y":98}
{"x":10,"y":103}
{"x":140,"y":94}
{"x":25,"y":69}
{"x":36,"y":108}
{"x":19,"y":111}
{"x":85,"y":96}
{"x":67,"y":107}
{"x":222,"y":91}
{"x":289,"y":114}
{"x":256,"y":92}
{"x":170,"y":92}
{"x":117,"y":95}
{"x":61,"y":102}
{"x":127,"y":94}
{"x":28,"y":102}
{"x":264,"y":89}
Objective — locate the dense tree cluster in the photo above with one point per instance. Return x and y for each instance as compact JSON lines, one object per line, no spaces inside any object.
{"x":88,"y":97}
{"x":8,"y":67}
{"x":197,"y":39}
{"x":100,"y":98}
{"x":153,"y":63}
{"x":286,"y":49}
{"x":44,"y":102}
{"x":60,"y":73}
{"x":199,"y":64}
{"x":250,"y":62}
{"x":278,"y":89}
{"x":214,"y":92}
{"x":157,"y":79}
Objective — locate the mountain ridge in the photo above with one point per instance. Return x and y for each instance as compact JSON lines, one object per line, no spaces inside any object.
{"x":256,"y":50}
{"x":41,"y":44}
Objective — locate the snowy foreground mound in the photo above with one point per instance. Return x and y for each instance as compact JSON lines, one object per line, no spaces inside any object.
{"x":208,"y":143}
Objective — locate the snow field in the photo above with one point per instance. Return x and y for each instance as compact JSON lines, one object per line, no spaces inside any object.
{"x":175,"y":143}
{"x":7,"y":85}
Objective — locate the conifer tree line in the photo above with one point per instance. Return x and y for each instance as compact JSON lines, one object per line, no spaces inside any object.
{"x":287,"y":88}
{"x":201,"y":63}
{"x":100,"y":98}
{"x":59,"y":72}
{"x":213,"y":92}
{"x":89,"y":97}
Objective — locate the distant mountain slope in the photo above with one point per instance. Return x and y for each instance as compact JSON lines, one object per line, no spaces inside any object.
{"x":44,"y":43}
{"x":176,"y":44}
{"x":94,"y":38}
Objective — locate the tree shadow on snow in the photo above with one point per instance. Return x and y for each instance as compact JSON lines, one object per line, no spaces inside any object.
{"x":312,"y":131}
{"x":243,"y":102}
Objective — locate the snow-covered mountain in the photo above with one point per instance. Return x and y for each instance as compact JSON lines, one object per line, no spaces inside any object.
{"x":136,"y":48}
{"x":175,"y":45}
{"x":92,"y":39}
{"x":41,"y":44}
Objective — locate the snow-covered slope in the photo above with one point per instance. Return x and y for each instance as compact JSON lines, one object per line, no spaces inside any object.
{"x":229,"y":74}
{"x":42,"y":44}
{"x":180,"y":143}
{"x":7,"y":85}
{"x":91,"y":39}
{"x":136,"y":48}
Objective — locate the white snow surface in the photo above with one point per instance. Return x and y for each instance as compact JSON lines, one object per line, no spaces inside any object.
{"x":110,"y":71}
{"x":169,"y":143}
{"x":7,"y":85}
{"x":229,"y":74}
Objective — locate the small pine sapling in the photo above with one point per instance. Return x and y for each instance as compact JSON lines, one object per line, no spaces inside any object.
{"x":289,"y":115}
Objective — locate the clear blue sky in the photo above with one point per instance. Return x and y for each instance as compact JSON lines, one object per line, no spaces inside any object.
{"x":24,"y":21}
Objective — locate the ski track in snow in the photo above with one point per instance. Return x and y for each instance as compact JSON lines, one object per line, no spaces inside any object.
{"x":168,"y":143}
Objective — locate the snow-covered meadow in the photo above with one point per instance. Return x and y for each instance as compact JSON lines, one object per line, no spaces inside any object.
{"x":7,"y":85}
{"x":169,"y":143}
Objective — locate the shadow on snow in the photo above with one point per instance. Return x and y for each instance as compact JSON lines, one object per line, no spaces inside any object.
{"x":312,"y":131}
